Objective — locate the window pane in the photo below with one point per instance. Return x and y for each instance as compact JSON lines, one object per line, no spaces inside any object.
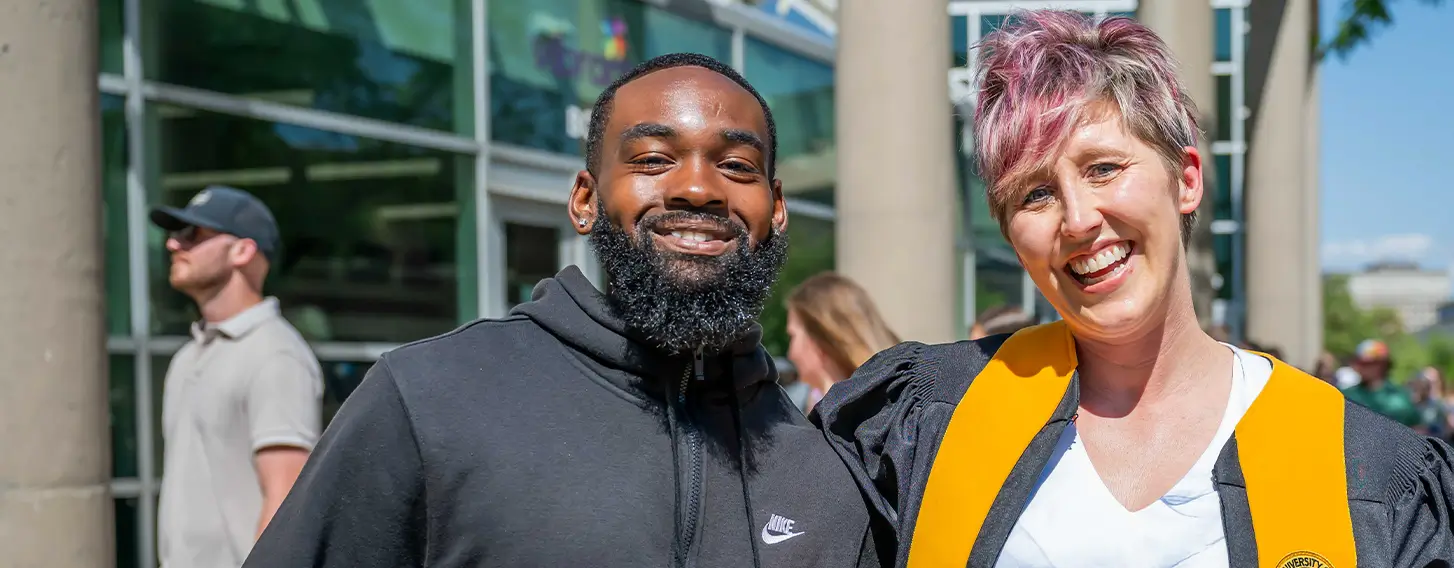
{"x":959,"y":40}
{"x":532,"y":254}
{"x":158,"y":384}
{"x":1222,"y":249}
{"x":549,"y":59}
{"x":109,"y":18}
{"x":370,"y":229}
{"x":127,"y":553}
{"x":800,"y":93}
{"x":810,"y":252}
{"x":1222,"y":34}
{"x":1224,"y":108}
{"x":1223,"y":195}
{"x":991,"y":23}
{"x":113,"y":214}
{"x":998,"y":277}
{"x":406,"y":62}
{"x":125,"y":453}
{"x":339,"y":380}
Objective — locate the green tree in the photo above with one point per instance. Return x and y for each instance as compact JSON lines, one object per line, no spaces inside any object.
{"x":1360,"y":18}
{"x":1345,"y":324}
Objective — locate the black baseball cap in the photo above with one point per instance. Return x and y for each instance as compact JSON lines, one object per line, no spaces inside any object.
{"x":225,"y":210}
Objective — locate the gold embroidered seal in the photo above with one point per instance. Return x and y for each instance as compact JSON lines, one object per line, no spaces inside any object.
{"x":1304,"y":559}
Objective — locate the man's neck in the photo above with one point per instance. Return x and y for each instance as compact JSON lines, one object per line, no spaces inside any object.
{"x":1163,"y":365}
{"x":225,"y":303}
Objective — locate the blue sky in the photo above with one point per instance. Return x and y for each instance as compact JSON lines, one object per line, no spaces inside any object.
{"x":1387,"y":128}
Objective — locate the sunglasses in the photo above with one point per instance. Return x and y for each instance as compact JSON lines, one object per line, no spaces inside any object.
{"x":191,"y":236}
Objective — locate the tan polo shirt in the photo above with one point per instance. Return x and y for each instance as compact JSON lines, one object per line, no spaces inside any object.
{"x":241,"y":385}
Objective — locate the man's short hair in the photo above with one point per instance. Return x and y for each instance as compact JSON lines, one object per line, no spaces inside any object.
{"x":1004,"y":319}
{"x":601,"y":113}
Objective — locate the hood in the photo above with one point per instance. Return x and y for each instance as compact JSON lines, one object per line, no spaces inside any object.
{"x":574,"y":311}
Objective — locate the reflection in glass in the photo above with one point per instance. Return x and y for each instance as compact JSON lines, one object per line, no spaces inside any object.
{"x":370,"y":229}
{"x":1222,"y":34}
{"x":550,"y":59}
{"x":113,"y":215}
{"x":125,"y":453}
{"x":810,"y":242}
{"x":1222,"y":204}
{"x":339,"y":380}
{"x":800,"y":93}
{"x":959,"y":40}
{"x":128,"y":554}
{"x":531,"y":254}
{"x":407,"y":62}
{"x":999,"y":279}
{"x":1224,"y":108}
{"x":158,"y":380}
{"x":1222,"y":250}
{"x":109,"y":20}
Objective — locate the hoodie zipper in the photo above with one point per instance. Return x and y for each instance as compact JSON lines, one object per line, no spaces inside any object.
{"x":694,"y":454}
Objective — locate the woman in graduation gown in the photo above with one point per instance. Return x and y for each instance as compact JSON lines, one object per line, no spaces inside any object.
{"x":1122,"y":435}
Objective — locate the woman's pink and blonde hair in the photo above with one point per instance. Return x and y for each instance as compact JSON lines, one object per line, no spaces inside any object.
{"x":1046,"y":72}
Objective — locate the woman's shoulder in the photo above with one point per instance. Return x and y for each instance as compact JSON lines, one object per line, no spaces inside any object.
{"x":1389,"y":462}
{"x":910,"y":375}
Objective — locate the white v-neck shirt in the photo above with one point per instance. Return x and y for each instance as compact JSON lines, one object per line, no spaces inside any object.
{"x":1073,"y":520}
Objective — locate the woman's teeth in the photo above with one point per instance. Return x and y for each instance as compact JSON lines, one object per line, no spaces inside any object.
{"x":691,"y":236}
{"x":1085,"y":267}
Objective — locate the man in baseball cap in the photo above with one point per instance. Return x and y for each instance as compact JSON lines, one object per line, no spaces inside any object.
{"x":1374,"y":390}
{"x":242,"y":406}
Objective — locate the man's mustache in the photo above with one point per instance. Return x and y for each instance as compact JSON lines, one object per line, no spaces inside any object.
{"x":652,"y":222}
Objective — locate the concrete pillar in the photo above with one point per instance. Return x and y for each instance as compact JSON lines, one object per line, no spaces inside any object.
{"x":1284,"y":302}
{"x":896,"y":203}
{"x":1186,"y":27}
{"x":55,"y":503}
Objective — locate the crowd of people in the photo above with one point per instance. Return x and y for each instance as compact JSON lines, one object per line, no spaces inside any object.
{"x":641,"y":423}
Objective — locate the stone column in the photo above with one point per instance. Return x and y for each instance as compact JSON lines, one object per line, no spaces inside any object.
{"x":896,"y":203}
{"x":55,"y":503}
{"x":1186,"y":27}
{"x":1284,"y":302}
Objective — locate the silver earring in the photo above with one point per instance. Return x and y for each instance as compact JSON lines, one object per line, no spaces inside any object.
{"x":582,"y":222}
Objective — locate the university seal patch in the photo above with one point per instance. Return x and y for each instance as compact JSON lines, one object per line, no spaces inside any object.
{"x":1303,"y":559}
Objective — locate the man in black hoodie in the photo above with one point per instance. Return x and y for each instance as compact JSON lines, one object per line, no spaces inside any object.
{"x":638,"y":427}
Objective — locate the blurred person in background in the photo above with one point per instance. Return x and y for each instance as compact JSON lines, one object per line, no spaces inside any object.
{"x":1122,"y":435}
{"x":242,"y":401}
{"x":1326,"y":368}
{"x":1426,"y":389}
{"x":1374,"y":390}
{"x":998,"y":320}
{"x":833,"y":327}
{"x":636,"y":425}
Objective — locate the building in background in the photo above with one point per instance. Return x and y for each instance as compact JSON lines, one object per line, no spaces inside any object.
{"x":418,"y":156}
{"x":1419,"y":296}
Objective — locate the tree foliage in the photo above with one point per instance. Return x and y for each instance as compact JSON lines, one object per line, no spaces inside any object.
{"x":1345,"y":325}
{"x":1359,"y":20}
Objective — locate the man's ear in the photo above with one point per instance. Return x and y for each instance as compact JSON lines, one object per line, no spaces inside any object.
{"x":779,"y":207}
{"x":582,"y":205}
{"x":242,"y":252}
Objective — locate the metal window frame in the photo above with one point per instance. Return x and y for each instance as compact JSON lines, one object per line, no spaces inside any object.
{"x":139,"y":92}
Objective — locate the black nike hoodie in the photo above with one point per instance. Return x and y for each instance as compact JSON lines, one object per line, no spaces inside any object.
{"x":553,"y":437}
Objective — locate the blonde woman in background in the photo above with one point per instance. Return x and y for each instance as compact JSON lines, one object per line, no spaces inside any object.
{"x":833,"y":327}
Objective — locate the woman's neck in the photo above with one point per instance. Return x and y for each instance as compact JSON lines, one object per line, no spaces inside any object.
{"x":1164,"y":365}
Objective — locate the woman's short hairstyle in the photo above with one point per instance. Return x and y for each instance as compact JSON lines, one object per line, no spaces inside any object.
{"x":841,"y":318}
{"x":1047,"y":72}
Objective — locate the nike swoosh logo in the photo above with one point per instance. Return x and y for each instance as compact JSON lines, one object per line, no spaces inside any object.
{"x":770,"y":538}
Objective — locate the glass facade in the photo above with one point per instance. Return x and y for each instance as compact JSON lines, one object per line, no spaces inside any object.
{"x":366,"y":127}
{"x":356,"y":123}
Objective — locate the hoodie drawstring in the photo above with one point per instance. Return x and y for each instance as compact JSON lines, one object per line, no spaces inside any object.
{"x":742,"y":459}
{"x":676,"y":474}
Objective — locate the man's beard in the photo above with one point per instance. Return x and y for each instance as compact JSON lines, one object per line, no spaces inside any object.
{"x":682,"y":302}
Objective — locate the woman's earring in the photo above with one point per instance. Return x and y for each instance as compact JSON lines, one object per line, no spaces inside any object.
{"x":582,"y":223}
